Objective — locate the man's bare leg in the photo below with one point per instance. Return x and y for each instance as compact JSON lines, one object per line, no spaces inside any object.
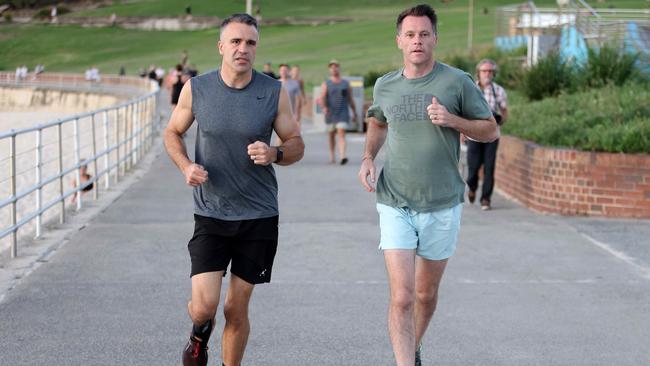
{"x":206,"y":289}
{"x":237,"y":329}
{"x":331,"y":135}
{"x":340,"y":132}
{"x":400,"y":265}
{"x":428,"y":274}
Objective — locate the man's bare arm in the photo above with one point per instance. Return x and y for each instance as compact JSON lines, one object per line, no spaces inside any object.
{"x":479,"y":129}
{"x":179,"y":122}
{"x":288,"y":131}
{"x":322,"y":100}
{"x":375,"y":138}
{"x":351,"y":101}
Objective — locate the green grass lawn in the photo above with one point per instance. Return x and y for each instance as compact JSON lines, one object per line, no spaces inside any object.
{"x":308,"y":8}
{"x":364,"y":44}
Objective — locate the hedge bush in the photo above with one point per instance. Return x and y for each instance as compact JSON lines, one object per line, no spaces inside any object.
{"x":549,"y":77}
{"x":608,"y":65}
{"x":553,"y":75}
{"x":611,"y":119}
{"x":509,"y":63}
{"x":370,"y":77}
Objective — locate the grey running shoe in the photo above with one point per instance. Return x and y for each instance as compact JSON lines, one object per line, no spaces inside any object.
{"x":418,"y":355}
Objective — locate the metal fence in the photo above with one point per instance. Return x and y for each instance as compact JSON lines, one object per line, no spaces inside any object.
{"x":40,"y":166}
{"x":518,"y":23}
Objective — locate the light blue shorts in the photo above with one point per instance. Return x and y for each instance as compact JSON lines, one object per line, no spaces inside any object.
{"x":433,"y":235}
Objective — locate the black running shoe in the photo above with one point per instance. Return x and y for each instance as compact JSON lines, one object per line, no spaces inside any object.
{"x":195,"y":353}
{"x":418,"y":355}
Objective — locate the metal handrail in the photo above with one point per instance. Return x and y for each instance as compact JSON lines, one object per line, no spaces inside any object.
{"x":127,"y":133}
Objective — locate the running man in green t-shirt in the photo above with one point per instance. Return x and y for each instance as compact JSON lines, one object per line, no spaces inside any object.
{"x":420,"y":110}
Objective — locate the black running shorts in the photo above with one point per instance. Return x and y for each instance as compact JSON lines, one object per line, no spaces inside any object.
{"x":249,"y":244}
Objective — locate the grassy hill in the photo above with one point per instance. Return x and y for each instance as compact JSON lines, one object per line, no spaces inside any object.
{"x":364,"y":44}
{"x":308,"y":8}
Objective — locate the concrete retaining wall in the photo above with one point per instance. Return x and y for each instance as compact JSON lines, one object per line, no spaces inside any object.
{"x":17,"y":99}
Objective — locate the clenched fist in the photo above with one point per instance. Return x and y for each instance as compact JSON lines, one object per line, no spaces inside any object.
{"x":195,"y":175}
{"x":438,"y":114}
{"x":261,"y":153}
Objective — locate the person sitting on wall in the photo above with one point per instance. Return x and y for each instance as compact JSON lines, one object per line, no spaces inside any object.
{"x":84,"y":177}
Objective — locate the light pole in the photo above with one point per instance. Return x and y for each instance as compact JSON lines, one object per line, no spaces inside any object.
{"x":249,"y":7}
{"x":470,"y":25}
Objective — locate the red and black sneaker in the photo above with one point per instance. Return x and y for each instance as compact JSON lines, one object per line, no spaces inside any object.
{"x":195,"y":353}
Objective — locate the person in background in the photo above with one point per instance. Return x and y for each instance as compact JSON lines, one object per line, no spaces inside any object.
{"x":293,"y":89}
{"x":484,"y":154}
{"x":295,"y":75}
{"x":177,"y":84}
{"x":84,"y":177}
{"x":336,"y":101}
{"x":268,"y":70}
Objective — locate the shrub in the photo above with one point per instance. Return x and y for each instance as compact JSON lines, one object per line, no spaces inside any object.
{"x":608,"y":65}
{"x":548,"y":78}
{"x":509,"y":63}
{"x":464,"y":62}
{"x":370,"y":77}
{"x":612,"y":119}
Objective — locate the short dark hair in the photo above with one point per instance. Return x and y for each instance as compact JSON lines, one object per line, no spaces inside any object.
{"x":239,"y":18}
{"x":422,"y":10}
{"x":287,"y":65}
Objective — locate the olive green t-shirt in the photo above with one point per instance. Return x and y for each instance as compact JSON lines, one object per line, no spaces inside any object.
{"x":421,"y":167}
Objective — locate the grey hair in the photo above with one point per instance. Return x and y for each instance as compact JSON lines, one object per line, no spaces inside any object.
{"x":239,"y":18}
{"x":487,"y":61}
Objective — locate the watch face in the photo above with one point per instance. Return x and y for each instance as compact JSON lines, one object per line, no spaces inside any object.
{"x":279,"y":155}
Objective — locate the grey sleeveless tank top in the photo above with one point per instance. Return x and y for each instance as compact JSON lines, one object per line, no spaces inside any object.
{"x":337,"y":102}
{"x":228,"y":121}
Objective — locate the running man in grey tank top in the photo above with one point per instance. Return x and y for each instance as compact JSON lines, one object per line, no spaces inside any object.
{"x":235,"y":189}
{"x":336,"y":101}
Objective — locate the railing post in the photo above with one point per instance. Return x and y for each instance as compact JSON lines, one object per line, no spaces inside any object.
{"x":60,"y":168}
{"x":136,"y":133}
{"x":77,"y":159}
{"x":143,"y":128}
{"x":96,"y":184}
{"x":12,"y":174}
{"x":39,"y":192}
{"x":107,"y":160}
{"x":127,"y":137}
{"x":151,"y":118}
{"x":117,"y":143}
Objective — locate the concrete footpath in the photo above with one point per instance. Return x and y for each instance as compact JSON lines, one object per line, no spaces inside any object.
{"x":522,"y":289}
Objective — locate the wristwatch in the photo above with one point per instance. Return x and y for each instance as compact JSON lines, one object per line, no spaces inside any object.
{"x":279,"y":154}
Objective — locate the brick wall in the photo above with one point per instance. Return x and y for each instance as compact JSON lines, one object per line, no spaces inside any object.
{"x":571,"y":182}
